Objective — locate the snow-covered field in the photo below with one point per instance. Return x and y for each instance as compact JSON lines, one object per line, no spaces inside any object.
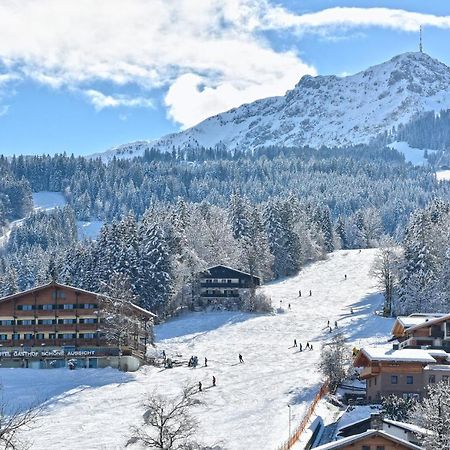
{"x":47,"y":201}
{"x":416,"y":156}
{"x":443,"y":175}
{"x":93,"y":409}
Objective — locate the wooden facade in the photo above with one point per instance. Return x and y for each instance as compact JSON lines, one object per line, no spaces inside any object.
{"x":419,"y":358}
{"x":42,"y":321}
{"x":221,"y":283}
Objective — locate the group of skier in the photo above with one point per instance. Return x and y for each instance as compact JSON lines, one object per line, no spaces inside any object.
{"x":300,"y":346}
{"x":300,"y":293}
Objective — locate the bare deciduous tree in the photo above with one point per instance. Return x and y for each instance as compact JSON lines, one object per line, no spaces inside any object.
{"x":168,"y":423}
{"x":13,"y":423}
{"x":335,"y":360}
{"x":385,"y":271}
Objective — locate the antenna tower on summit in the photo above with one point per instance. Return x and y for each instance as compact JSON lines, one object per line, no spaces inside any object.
{"x":420,"y":40}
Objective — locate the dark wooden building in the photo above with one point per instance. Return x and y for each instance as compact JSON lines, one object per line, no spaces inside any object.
{"x":224,"y":285}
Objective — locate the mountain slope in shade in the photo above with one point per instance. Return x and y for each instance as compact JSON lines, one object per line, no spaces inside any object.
{"x":322,"y":110}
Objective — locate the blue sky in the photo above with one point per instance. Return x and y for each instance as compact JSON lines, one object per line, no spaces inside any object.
{"x":84,"y":76}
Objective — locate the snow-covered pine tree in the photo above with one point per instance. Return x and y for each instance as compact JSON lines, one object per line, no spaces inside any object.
{"x":155,"y":270}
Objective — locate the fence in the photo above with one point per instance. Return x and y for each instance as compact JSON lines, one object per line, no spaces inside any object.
{"x":295,"y":436}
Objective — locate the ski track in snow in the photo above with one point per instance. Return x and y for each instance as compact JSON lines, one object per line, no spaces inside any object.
{"x":93,"y":409}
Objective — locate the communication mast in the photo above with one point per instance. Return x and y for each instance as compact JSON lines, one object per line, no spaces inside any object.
{"x":420,"y":40}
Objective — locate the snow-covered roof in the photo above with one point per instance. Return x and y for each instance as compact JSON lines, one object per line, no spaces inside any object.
{"x":430,"y":322}
{"x":439,"y":367}
{"x":408,"y":426}
{"x":403,"y":425}
{"x":369,"y":433}
{"x":72,"y":288}
{"x":416,"y":319}
{"x":404,"y":355}
{"x":229,"y":268}
{"x":438,"y":353}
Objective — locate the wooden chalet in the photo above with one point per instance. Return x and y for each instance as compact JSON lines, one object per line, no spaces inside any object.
{"x":419,"y":357}
{"x":220,"y":283}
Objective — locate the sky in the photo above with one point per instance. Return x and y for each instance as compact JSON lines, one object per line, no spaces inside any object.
{"x":82,"y":76}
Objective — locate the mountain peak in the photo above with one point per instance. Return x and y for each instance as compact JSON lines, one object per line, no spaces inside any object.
{"x":324,"y":110}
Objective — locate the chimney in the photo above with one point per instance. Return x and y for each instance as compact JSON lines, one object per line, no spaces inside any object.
{"x":376,"y":421}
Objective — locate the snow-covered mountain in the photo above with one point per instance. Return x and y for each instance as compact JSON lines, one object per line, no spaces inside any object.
{"x":322,"y":110}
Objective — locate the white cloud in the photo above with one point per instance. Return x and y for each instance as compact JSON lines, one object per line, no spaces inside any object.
{"x":4,"y":109}
{"x":208,"y":55}
{"x":100,"y":100}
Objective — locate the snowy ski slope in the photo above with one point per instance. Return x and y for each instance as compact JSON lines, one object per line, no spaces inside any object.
{"x":93,"y":409}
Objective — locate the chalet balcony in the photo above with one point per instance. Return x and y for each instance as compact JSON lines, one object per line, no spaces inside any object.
{"x":219,"y":295}
{"x":368,"y":372}
{"x":223,"y":285}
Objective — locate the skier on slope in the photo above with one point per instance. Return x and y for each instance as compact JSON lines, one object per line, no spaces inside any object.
{"x":241,"y":359}
{"x":214,"y":380}
{"x":206,"y":362}
{"x":300,"y":348}
{"x":295,"y":342}
{"x":310,"y":293}
{"x":299,"y":293}
{"x":200,"y":386}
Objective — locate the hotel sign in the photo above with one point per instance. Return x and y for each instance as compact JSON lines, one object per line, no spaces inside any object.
{"x":46,"y":353}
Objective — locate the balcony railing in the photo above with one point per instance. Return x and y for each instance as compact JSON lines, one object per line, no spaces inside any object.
{"x":219,"y":295}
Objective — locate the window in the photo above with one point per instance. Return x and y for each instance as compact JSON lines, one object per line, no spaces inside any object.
{"x":46,"y":321}
{"x":67,"y":321}
{"x":47,"y":307}
{"x":3,"y":337}
{"x":409,"y":379}
{"x":25,"y":307}
{"x":228,"y":281}
{"x":88,"y":306}
{"x":67,"y":306}
{"x":394,"y":379}
{"x":16,"y":336}
{"x":432,"y":379}
{"x":380,"y":447}
{"x":40,"y":336}
{"x":28,"y":336}
{"x":25,"y":322}
{"x":375,"y":381}
{"x":52,"y":335}
{"x":87,"y":335}
{"x":54,"y":295}
{"x":67,"y":336}
{"x":88,"y":320}
{"x":61,"y":294}
{"x":445,"y":378}
{"x":365,"y":447}
{"x":6,"y":322}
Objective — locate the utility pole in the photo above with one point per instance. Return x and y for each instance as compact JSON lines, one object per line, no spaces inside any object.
{"x":289,"y":406}
{"x":420,"y":40}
